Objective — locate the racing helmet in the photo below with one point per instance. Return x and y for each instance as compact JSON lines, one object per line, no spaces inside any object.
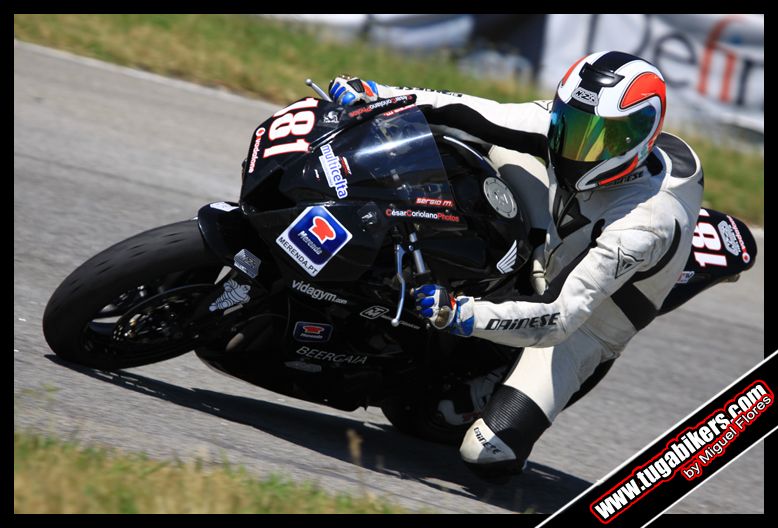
{"x":606,"y":115}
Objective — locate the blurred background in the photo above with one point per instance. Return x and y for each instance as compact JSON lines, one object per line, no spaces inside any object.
{"x":713,"y":63}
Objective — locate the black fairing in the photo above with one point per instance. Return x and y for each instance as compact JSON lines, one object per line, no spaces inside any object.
{"x":374,"y":174}
{"x":461,"y":235}
{"x":706,"y":267}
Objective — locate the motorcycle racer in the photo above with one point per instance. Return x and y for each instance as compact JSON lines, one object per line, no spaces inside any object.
{"x":622,"y":203}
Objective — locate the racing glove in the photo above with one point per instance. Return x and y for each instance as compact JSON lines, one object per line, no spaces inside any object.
{"x":443,"y":310}
{"x":347,"y":90}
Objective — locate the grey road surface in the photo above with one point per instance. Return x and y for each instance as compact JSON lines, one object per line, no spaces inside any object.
{"x":101,"y":153}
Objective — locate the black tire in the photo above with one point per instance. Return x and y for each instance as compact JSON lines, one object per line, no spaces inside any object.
{"x":166,"y":254}
{"x":422,"y":420}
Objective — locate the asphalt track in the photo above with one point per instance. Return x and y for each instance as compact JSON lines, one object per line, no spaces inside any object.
{"x":102,"y":152}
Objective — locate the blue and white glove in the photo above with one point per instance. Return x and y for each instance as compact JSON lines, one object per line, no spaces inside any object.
{"x":347,"y":90}
{"x":443,"y":310}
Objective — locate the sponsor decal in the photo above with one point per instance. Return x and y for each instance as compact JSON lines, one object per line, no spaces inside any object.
{"x":255,"y":152}
{"x":375,"y":312}
{"x":379,"y":104}
{"x":455,"y":94}
{"x":330,"y":118}
{"x":344,"y":166}
{"x":396,"y":111}
{"x":247,"y":262}
{"x":316,"y":293}
{"x":313,"y":238}
{"x":632,"y":176}
{"x":234,"y":293}
{"x":324,"y":355}
{"x":685,"y":277}
{"x":518,"y":324}
{"x":626,"y":262}
{"x":728,"y":237}
{"x":322,"y":229}
{"x":421,"y":215}
{"x":307,"y":331}
{"x":505,"y":265}
{"x":745,"y":256}
{"x":333,"y":171}
{"x":223,"y":206}
{"x":484,"y":442}
{"x":434,"y":202}
{"x":586,"y":96}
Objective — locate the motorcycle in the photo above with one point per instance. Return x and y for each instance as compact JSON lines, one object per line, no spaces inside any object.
{"x":300,"y":287}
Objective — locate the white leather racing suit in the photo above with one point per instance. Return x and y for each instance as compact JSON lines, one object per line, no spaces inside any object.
{"x":610,"y":256}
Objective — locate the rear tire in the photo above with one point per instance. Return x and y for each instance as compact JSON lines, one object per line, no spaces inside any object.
{"x":120,"y":279}
{"x":423,"y":420}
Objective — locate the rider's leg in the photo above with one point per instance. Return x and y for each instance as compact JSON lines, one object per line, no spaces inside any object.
{"x":529,"y":179}
{"x":528,"y":401}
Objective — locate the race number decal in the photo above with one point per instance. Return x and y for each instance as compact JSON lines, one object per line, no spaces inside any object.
{"x":293,"y":120}
{"x":708,"y":247}
{"x":313,"y":239}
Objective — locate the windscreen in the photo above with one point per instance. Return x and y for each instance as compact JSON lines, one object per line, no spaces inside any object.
{"x":392,"y":157}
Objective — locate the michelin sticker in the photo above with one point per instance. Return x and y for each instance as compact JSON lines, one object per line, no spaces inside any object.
{"x":313,"y":238}
{"x":234,"y":293}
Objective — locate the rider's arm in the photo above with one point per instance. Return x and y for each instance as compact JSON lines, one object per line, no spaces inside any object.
{"x":603,"y":270}
{"x":522,"y":127}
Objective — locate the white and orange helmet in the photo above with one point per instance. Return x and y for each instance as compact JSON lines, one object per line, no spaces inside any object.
{"x":607,"y":113}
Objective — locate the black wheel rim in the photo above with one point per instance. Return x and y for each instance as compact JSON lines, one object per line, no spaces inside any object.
{"x":154,"y":320}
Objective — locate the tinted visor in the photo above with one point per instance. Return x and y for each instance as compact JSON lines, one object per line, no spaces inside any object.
{"x":580,"y":136}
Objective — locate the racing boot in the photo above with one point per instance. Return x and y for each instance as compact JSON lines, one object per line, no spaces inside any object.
{"x":469,"y":400}
{"x":498,"y":443}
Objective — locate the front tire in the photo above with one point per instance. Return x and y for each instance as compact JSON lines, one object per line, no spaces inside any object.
{"x":132,"y":304}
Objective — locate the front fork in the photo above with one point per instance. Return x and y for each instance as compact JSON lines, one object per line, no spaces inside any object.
{"x":233,"y":240}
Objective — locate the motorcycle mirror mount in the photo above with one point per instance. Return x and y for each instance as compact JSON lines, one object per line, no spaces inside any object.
{"x":321,"y":93}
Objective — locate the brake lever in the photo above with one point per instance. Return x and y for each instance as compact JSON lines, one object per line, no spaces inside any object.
{"x":422,"y":272}
{"x":399,"y":253}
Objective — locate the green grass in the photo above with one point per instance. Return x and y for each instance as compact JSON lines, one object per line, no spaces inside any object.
{"x":270,"y":60}
{"x":246,"y":54}
{"x":734,"y":180}
{"x":52,"y":476}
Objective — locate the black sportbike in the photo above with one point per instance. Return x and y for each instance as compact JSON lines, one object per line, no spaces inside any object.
{"x":301,"y":287}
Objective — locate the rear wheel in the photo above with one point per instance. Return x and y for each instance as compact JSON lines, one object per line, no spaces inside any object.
{"x":422,"y":419}
{"x":136,"y":302}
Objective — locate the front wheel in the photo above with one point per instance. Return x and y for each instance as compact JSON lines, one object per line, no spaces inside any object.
{"x":136,"y":302}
